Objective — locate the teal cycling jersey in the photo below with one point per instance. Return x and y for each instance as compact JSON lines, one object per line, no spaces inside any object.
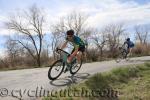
{"x":77,"y":42}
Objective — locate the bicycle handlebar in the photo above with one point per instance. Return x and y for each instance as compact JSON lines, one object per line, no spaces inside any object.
{"x":57,"y":49}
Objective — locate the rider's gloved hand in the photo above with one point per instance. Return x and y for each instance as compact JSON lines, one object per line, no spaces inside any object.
{"x":57,"y":50}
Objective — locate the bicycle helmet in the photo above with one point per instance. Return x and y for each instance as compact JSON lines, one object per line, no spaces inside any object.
{"x":128,"y":39}
{"x":70,"y":32}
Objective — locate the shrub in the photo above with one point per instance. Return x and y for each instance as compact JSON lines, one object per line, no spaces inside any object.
{"x":141,"y":50}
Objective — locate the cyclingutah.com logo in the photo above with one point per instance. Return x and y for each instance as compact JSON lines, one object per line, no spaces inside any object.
{"x":69,"y":92}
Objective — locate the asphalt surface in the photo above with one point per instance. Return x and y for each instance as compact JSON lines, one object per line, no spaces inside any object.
{"x":30,"y":84}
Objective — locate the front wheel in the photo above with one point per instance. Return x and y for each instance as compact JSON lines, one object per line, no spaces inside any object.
{"x":119,"y":57}
{"x":75,"y":67}
{"x":56,"y":70}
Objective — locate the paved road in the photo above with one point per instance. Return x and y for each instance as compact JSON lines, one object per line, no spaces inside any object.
{"x":21,"y":83}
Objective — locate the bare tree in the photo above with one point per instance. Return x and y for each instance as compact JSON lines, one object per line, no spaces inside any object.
{"x":4,"y":63}
{"x":114,"y":32}
{"x":142,"y":33}
{"x":56,"y":39}
{"x":29,"y":26}
{"x":76,"y":22}
{"x":86,"y":35}
{"x":99,"y":39}
{"x":12,"y":52}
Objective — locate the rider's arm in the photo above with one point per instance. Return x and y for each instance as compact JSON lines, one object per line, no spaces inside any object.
{"x":75,"y":51}
{"x":64,"y":45}
{"x":124,"y":44}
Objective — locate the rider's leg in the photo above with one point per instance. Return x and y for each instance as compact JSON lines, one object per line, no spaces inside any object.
{"x":130,"y":52}
{"x":84,"y":55}
{"x":79,"y":55}
{"x":71,"y":53}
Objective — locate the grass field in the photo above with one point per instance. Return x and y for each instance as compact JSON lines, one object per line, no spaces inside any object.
{"x":129,"y":83}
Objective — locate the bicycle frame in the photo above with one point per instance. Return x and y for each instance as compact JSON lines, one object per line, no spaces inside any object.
{"x":122,"y":51}
{"x":64,"y":55}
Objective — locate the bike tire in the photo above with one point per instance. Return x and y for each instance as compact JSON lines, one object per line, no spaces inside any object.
{"x":54,"y":65}
{"x":119,"y":58}
{"x":124,"y":54}
{"x":74,"y":72}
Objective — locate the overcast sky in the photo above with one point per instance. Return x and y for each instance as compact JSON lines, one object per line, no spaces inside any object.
{"x":101,"y":12}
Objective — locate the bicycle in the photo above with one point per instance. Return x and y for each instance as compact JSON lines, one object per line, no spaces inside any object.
{"x":123,"y":54}
{"x":61,"y":65}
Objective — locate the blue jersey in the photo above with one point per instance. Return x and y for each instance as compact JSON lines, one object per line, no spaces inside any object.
{"x":129,"y":43}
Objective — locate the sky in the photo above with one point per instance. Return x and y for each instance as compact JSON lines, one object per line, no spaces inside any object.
{"x":101,"y":12}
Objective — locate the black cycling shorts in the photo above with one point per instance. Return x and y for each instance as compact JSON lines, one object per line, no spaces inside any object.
{"x":81,"y":48}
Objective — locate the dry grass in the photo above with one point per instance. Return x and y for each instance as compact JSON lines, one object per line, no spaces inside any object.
{"x":141,"y":50}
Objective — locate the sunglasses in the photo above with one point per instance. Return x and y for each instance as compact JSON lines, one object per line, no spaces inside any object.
{"x":69,"y":35}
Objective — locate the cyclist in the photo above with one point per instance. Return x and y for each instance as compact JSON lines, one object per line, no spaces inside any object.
{"x":129,"y":44}
{"x":79,"y":46}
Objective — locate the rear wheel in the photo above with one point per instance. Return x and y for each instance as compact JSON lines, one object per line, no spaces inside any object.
{"x":56,"y":70}
{"x":75,"y":67}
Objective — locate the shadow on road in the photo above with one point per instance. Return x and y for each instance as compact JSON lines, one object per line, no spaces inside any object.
{"x":67,"y":81}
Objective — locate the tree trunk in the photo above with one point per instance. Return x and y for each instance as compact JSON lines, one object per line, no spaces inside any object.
{"x":39,"y":61}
